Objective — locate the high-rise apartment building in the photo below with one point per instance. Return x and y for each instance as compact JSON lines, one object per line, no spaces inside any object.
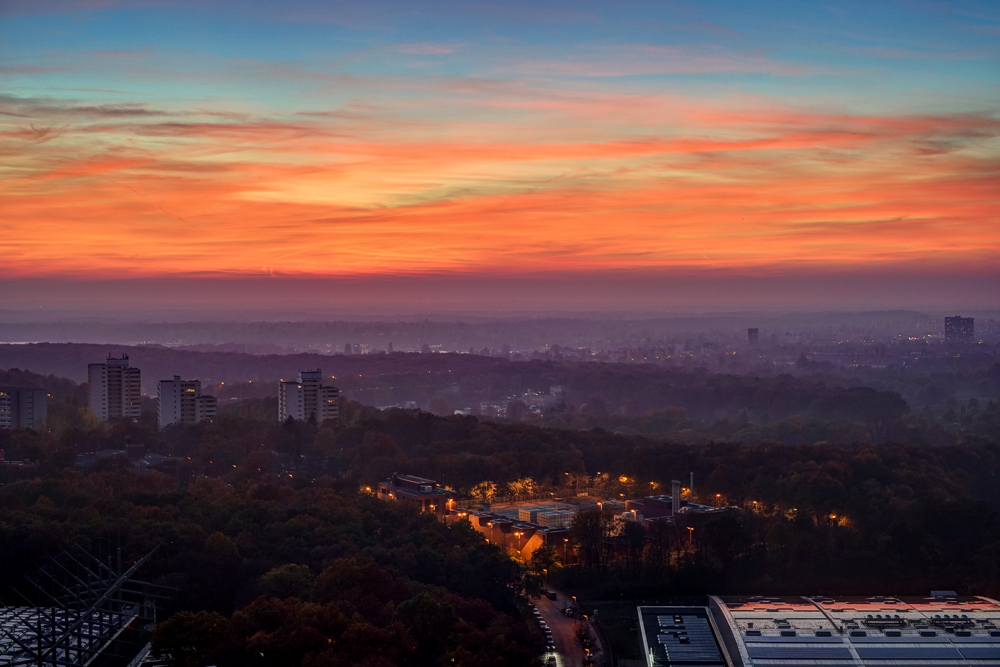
{"x":960,"y":329}
{"x":115,"y":389}
{"x":308,"y":398}
{"x":752,"y":336}
{"x":181,"y":402}
{"x":22,"y":407}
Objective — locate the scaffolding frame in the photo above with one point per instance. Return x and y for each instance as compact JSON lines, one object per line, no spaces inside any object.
{"x":82,"y":607}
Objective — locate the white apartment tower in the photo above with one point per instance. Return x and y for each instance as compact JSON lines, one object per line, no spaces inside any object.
{"x":22,"y":407}
{"x":307,"y":398}
{"x":181,"y":401}
{"x":115,"y":389}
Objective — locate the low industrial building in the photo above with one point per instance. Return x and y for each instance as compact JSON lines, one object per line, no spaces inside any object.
{"x":428,"y":494}
{"x":520,"y":536}
{"x":16,"y":465}
{"x":940,"y":630}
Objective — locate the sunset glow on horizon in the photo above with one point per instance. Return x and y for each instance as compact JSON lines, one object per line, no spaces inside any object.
{"x":154,"y":139}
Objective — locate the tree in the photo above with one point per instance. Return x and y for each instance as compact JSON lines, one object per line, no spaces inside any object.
{"x":633,"y":540}
{"x":484,"y":491}
{"x":517,"y":410}
{"x":520,"y":487}
{"x":883,"y":412}
{"x":595,"y":405}
{"x":191,"y":639}
{"x":590,"y":532}
{"x":287,"y":581}
{"x":431,"y":623}
{"x":440,"y":406}
{"x":543,"y":559}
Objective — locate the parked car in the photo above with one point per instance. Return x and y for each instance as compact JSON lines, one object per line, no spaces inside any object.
{"x":551,"y":595}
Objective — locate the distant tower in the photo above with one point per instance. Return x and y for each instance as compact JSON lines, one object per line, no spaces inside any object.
{"x":390,"y":347}
{"x":752,"y":335}
{"x":115,"y":389}
{"x":960,"y":329}
{"x":347,"y":348}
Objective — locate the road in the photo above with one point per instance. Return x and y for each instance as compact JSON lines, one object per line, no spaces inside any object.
{"x":569,"y":653}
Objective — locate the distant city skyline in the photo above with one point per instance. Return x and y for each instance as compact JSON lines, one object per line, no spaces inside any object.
{"x":511,"y":156}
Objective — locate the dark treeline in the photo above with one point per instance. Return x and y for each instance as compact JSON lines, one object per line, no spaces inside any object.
{"x":272,"y":573}
{"x":800,"y":405}
{"x":819,"y":518}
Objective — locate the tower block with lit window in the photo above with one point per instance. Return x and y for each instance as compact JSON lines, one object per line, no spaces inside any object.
{"x":960,"y":329}
{"x":308,"y":398}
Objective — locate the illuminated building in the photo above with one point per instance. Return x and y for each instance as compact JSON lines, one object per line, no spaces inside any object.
{"x":115,"y":389}
{"x":181,"y":401}
{"x":308,"y":398}
{"x":960,"y":329}
{"x":843,"y":631}
{"x":22,"y":407}
{"x":431,"y":496}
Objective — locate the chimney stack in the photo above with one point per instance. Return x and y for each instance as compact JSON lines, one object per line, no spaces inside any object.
{"x":691,"y":497}
{"x":675,"y":495}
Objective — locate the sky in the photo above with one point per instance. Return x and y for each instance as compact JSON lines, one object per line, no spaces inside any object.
{"x":499,"y":155}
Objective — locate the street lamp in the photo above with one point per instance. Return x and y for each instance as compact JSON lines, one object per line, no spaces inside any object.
{"x":519,"y":540}
{"x":690,"y":535}
{"x":565,"y":547}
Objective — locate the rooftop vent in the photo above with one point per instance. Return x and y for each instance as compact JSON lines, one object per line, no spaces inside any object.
{"x":822,"y":633}
{"x":787,"y":633}
{"x":944,"y":594}
{"x":928,"y":633}
{"x":756,"y":633}
{"x":892,"y":633}
{"x":858,"y":633}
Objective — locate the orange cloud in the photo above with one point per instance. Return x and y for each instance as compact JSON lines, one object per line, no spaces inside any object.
{"x":102,"y":190}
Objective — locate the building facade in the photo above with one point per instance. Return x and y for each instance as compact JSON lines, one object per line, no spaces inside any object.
{"x":22,"y":407}
{"x":844,"y":631}
{"x":181,"y":402}
{"x":960,"y":329}
{"x":115,"y":389}
{"x":307,"y":398}
{"x":431,"y":496}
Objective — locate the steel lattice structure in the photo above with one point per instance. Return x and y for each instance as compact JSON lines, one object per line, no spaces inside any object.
{"x":82,"y":606}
